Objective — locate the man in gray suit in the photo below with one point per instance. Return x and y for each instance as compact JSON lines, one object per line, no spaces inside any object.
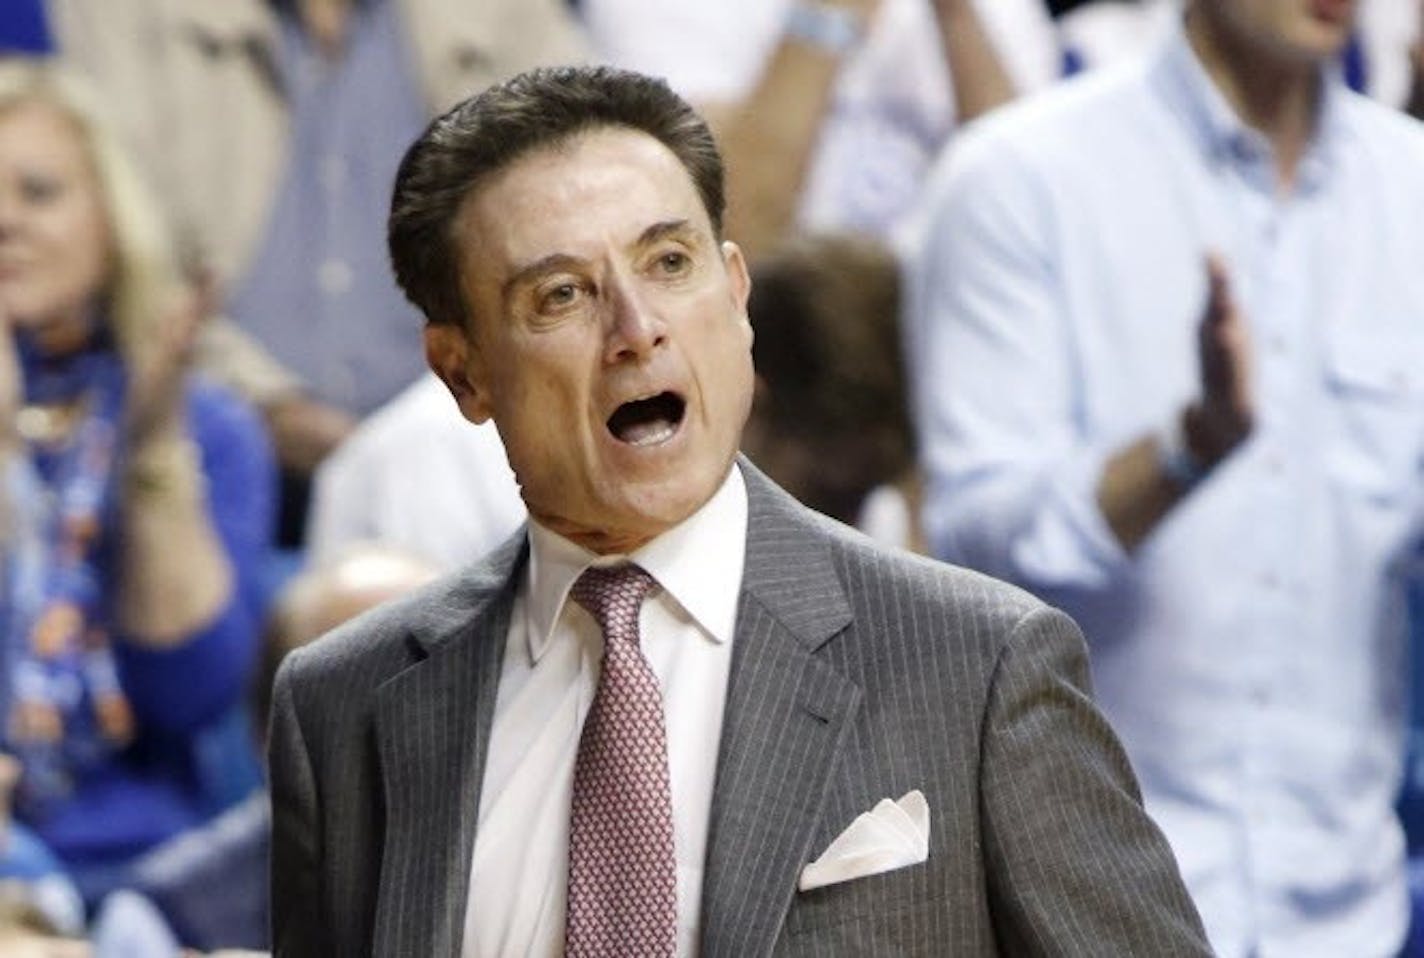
{"x":679,"y":713}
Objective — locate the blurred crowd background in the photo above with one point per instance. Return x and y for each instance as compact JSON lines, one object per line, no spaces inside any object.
{"x":219,"y":440}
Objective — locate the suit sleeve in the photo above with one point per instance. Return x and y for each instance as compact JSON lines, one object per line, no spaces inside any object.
{"x":1074,"y":864}
{"x":296,"y":829}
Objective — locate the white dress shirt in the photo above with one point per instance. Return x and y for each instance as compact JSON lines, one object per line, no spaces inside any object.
{"x":519,"y":869}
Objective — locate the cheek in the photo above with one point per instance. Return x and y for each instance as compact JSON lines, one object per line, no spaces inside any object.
{"x":90,"y":248}
{"x":543,"y":399}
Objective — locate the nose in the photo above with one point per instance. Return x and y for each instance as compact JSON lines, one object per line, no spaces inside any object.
{"x":636,"y":329}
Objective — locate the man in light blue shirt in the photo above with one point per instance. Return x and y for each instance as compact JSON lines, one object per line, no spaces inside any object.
{"x":1168,"y":338}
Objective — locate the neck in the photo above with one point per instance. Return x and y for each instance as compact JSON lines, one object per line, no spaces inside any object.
{"x":599,"y":542}
{"x":325,"y":22}
{"x":63,"y":338}
{"x":1271,"y":91}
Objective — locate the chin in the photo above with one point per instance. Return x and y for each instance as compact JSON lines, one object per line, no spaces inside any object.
{"x":655,"y":507}
{"x":660,"y":508}
{"x":1319,"y":42}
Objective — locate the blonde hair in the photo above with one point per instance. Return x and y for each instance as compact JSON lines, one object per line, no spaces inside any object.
{"x":143,"y":274}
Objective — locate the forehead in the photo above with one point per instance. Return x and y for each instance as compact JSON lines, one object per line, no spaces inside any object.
{"x":31,"y":129}
{"x":601,"y":187}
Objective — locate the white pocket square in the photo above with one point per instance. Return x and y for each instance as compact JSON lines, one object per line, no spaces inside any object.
{"x":892,"y":835}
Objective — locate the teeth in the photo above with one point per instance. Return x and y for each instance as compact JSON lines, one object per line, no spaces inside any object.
{"x":649,"y":434}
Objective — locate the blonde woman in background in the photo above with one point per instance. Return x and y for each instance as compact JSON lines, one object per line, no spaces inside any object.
{"x":137,"y":501}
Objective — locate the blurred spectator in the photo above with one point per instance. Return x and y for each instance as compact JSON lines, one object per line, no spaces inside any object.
{"x":830,"y":421}
{"x":1376,"y":61}
{"x":26,"y":931}
{"x":417,"y":476}
{"x":1215,"y":467}
{"x":829,"y":112}
{"x":359,"y":577}
{"x":275,"y":127}
{"x":136,"y":500}
{"x":127,"y":926}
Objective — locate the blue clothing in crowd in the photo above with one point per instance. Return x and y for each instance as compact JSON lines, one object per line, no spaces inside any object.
{"x":24,"y":28}
{"x":184,"y":698}
{"x":1250,"y":651}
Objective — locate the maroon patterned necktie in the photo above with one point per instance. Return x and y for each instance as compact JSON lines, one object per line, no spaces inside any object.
{"x":622,"y":865}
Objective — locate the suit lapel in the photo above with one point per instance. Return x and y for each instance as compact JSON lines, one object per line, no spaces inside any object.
{"x":433,"y":724}
{"x":786,"y":720}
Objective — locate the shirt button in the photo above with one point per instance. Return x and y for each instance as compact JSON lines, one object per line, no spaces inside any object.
{"x":1269,"y":581}
{"x":333,"y":277}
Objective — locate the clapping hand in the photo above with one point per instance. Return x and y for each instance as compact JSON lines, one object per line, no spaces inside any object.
{"x":158,"y":364}
{"x":1218,"y":422}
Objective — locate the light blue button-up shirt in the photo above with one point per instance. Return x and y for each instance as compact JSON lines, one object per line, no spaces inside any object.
{"x":320,"y":295}
{"x":1250,"y":652}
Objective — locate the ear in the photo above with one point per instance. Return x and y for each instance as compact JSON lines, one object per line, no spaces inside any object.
{"x":456,"y":361}
{"x":738,"y":275}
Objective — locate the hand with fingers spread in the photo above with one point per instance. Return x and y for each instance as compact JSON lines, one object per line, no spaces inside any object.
{"x":1142,"y":482}
{"x":157,"y":365}
{"x":1222,"y":417}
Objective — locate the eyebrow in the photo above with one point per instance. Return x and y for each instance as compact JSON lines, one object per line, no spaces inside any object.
{"x":544,"y":264}
{"x":664,"y":230}
{"x":557,"y":261}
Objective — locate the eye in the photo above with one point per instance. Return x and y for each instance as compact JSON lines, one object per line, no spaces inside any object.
{"x":673,"y":262}
{"x":558,"y":296}
{"x":35,"y":188}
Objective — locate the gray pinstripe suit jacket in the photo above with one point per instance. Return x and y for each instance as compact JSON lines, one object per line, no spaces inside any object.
{"x":856,"y":675}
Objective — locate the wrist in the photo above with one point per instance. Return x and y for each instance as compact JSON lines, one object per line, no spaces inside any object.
{"x":828,"y":27}
{"x":163,"y":467}
{"x":162,"y":429}
{"x":954,"y":9}
{"x":1178,"y":460}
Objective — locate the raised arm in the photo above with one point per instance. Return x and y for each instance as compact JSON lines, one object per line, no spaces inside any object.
{"x":1017,"y":486}
{"x":975,"y":67}
{"x":175,"y":577}
{"x":768,"y":137}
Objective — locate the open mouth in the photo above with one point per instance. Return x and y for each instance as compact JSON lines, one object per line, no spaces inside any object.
{"x":646,"y":422}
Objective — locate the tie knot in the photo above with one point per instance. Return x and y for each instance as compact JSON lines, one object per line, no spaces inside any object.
{"x":613,"y":595}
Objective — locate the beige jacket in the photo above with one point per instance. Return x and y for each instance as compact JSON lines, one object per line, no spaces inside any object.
{"x":194,"y":90}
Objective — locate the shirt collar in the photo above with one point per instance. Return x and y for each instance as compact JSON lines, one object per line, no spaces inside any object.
{"x":697,"y":562}
{"x":1183,"y":82}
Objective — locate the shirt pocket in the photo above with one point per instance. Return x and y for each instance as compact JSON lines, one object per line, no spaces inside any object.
{"x":1375,"y":393}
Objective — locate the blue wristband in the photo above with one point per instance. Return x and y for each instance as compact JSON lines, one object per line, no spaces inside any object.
{"x":835,"y":30}
{"x":1175,"y":456}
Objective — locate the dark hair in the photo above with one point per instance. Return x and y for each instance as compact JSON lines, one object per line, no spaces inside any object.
{"x":489,"y":131}
{"x":833,"y":422}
